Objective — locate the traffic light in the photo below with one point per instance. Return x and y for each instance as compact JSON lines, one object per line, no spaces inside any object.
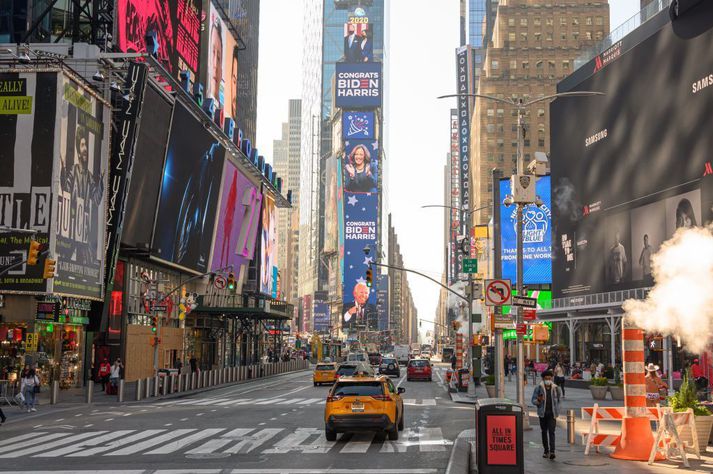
{"x":49,"y":268}
{"x":154,"y":323}
{"x":231,"y":283}
{"x":369,"y":277}
{"x":456,"y":325}
{"x":34,"y":252}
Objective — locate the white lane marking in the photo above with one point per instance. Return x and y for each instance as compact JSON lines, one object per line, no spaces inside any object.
{"x":401,"y":380}
{"x":168,"y":424}
{"x":271,"y":400}
{"x":89,"y":425}
{"x":431,"y":440}
{"x":83,"y":444}
{"x":116,"y":444}
{"x":210,"y":401}
{"x":150,"y":443}
{"x":400,"y":446}
{"x":359,"y":443}
{"x":309,"y":401}
{"x":288,"y":402}
{"x":109,"y":419}
{"x":253,"y":441}
{"x":232,"y":402}
{"x":55,"y":444}
{"x":183,"y":419}
{"x":291,"y":442}
{"x":174,"y":446}
{"x":19,"y":438}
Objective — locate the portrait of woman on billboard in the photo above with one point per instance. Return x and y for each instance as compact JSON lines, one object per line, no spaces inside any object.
{"x":233,"y":92}
{"x":268,"y":246}
{"x":359,"y":176}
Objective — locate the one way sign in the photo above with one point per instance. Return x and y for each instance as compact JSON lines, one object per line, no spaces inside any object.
{"x":524,"y":301}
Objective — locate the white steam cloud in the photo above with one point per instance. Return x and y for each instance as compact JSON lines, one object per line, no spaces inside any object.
{"x":681,"y":302}
{"x":455,"y":304}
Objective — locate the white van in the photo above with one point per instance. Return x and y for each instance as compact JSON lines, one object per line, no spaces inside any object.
{"x":358,"y":357}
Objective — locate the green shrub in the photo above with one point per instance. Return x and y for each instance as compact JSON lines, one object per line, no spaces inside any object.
{"x":599,"y":382}
{"x":686,"y":398}
{"x":490,"y":380}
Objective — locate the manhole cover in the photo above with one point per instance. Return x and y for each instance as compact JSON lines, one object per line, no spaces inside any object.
{"x":586,"y":463}
{"x":208,"y":456}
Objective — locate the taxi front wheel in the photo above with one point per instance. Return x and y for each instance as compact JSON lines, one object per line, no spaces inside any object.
{"x":331,"y":435}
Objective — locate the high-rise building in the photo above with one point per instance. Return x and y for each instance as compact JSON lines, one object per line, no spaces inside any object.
{"x":533,"y":47}
{"x":403,"y":316}
{"x":323,"y":41}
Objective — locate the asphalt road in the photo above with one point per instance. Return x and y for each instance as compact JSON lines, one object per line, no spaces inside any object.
{"x":267,"y":426}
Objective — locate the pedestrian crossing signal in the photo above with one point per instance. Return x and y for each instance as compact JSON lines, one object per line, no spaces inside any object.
{"x":369,"y":277}
{"x":34,"y":252}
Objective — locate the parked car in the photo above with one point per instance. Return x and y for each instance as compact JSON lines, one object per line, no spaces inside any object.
{"x":419,"y":369}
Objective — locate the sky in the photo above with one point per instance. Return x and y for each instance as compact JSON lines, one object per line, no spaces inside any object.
{"x":419,"y":123}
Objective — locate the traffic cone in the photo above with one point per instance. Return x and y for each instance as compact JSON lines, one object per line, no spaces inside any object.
{"x":637,"y":438}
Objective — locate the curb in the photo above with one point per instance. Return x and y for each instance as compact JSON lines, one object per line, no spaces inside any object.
{"x":460,"y":458}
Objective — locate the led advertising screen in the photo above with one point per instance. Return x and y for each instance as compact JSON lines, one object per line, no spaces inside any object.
{"x":358,"y":85}
{"x":361,"y":171}
{"x":537,"y":236}
{"x":221,"y":61}
{"x":358,"y":41}
{"x":245,"y":15}
{"x":360,"y":224}
{"x":26,"y":159}
{"x":382,"y":298}
{"x":238,"y":221}
{"x":174,"y":26}
{"x":84,"y":123}
{"x":320,"y":313}
{"x":268,"y":247}
{"x":330,"y":204}
{"x":340,"y":220}
{"x":631,"y":170}
{"x":357,"y":125}
{"x":145,"y":184}
{"x":189,"y":193}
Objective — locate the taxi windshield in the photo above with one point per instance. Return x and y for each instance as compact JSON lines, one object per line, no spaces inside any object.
{"x":361,"y":389}
{"x":325,"y":367}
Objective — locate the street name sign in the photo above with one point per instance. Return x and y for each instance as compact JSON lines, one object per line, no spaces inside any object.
{"x":524,"y":301}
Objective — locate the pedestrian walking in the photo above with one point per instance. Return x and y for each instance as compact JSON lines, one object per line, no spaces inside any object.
{"x":654,"y":385}
{"x":453,"y":361}
{"x":116,"y":373}
{"x":559,"y":377}
{"x":104,"y":372}
{"x":29,"y":386}
{"x":194,"y":363}
{"x":546,"y":397}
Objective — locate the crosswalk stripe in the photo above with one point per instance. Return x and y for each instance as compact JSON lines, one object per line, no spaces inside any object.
{"x":359,"y":443}
{"x":233,"y":402}
{"x":428,"y":402}
{"x":271,"y":400}
{"x":247,"y":445}
{"x":210,"y":401}
{"x":83,"y":444}
{"x":431,"y":440}
{"x":409,"y":401}
{"x":178,"y":444}
{"x":17,"y":439}
{"x":400,"y":446}
{"x":117,"y":444}
{"x":186,"y":401}
{"x":287,"y":402}
{"x":225,"y":438}
{"x":149,"y":443}
{"x":65,"y":440}
{"x":8,"y":450}
{"x":290,"y":442}
{"x":309,"y":401}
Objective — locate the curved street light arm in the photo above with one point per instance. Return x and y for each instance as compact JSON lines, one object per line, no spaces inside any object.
{"x":563,"y":94}
{"x":424,"y":276}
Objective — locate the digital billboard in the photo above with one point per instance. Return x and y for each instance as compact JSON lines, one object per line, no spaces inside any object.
{"x":340,"y":220}
{"x":238,"y":221}
{"x":26,"y":160}
{"x":189,"y":193}
{"x":245,"y":16}
{"x":632,"y":169}
{"x":357,"y":125}
{"x":331,"y":220}
{"x":358,"y":85}
{"x":84,"y":126}
{"x":537,"y":236}
{"x":361,"y":170}
{"x":382,"y":298}
{"x":268,"y":247}
{"x":360,"y":224}
{"x":221,"y":61}
{"x":358,"y":41}
{"x":320,"y":313}
{"x":174,"y":25}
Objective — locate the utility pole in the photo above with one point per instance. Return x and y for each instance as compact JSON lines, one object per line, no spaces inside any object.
{"x":518,"y":271}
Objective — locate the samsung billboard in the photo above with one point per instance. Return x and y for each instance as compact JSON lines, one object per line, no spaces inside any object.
{"x":635,"y":164}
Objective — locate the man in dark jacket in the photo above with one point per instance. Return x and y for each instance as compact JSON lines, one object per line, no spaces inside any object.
{"x":546,"y":397}
{"x":453,"y":361}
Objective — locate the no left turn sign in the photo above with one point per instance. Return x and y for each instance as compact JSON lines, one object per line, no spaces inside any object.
{"x":497,"y":293}
{"x":220,"y":282}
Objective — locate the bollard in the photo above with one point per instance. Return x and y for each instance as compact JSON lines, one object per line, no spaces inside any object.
{"x":148,"y":387}
{"x":570,"y":427}
{"x":90,"y":391}
{"x":120,"y":391}
{"x":164,"y":386}
{"x":193,"y":381}
{"x":156,"y":381}
{"x":54,"y":394}
{"x":139,"y":387}
{"x":172,"y":383}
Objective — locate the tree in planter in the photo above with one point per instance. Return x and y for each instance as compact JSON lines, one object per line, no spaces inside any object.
{"x":599,"y":388}
{"x":686,"y":398}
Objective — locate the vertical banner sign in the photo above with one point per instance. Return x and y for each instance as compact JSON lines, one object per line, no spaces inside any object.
{"x":455,"y":255}
{"x":83,"y":161}
{"x":464,"y":137}
{"x":122,"y":161}
{"x":320,"y":313}
{"x":26,"y":156}
{"x":382,"y":305}
{"x":268,"y":248}
{"x":500,"y":436}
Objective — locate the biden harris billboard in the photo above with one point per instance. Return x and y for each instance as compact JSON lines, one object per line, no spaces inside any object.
{"x":358,"y":86}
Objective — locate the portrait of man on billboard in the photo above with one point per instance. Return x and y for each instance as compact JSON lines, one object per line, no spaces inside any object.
{"x":360,"y":314}
{"x":359,"y":168}
{"x":358,"y":46}
{"x":216,"y":56}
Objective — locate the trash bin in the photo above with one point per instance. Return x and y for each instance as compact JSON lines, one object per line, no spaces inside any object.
{"x":498,"y":436}
{"x":463,"y":379}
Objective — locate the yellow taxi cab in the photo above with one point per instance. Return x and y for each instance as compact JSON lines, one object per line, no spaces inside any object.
{"x":364,"y":403}
{"x":324,"y":373}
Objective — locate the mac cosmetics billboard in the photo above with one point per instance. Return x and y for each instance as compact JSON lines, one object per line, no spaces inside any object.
{"x":268,"y":248}
{"x":635,"y":165}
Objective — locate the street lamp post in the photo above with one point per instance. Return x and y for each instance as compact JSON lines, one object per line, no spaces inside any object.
{"x":521,"y":107}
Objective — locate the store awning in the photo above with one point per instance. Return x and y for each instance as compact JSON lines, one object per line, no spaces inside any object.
{"x":257,"y":307}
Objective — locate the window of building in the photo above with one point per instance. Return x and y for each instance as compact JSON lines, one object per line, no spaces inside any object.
{"x":478,"y":58}
{"x":575,"y":35}
{"x":538,"y":36}
{"x":523,"y":37}
{"x":511,"y":21}
{"x":563,"y":21}
{"x":500,"y":143}
{"x":490,"y":112}
{"x":490,"y":128}
{"x":513,"y":158}
{"x":494,"y":64}
{"x":599,"y":21}
{"x":527,"y":142}
{"x":549,"y":21}
{"x":538,"y":21}
{"x":513,"y":113}
{"x":540,"y":142}
{"x":491,"y":142}
{"x":575,"y":20}
{"x":513,"y":127}
{"x":551,"y":64}
{"x":548,"y":36}
{"x":501,"y":157}
{"x":523,"y":21}
{"x":563,"y":36}
{"x":598,"y":35}
{"x":539,"y":65}
{"x":526,"y":65}
{"x":500,"y":112}
{"x":588,"y":35}
{"x":588,"y":21}
{"x":491,"y":157}
{"x":513,"y":143}
{"x":511,"y":37}
{"x":565,"y":65}
{"x":513,"y":64}
{"x":540,"y":112}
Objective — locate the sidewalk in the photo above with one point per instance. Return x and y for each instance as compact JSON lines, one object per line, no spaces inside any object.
{"x":572,"y":458}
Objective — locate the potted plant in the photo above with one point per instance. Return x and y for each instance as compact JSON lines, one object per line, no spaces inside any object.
{"x":684,"y":399}
{"x":490,"y":386}
{"x":617,"y":390}
{"x":599,"y":387}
